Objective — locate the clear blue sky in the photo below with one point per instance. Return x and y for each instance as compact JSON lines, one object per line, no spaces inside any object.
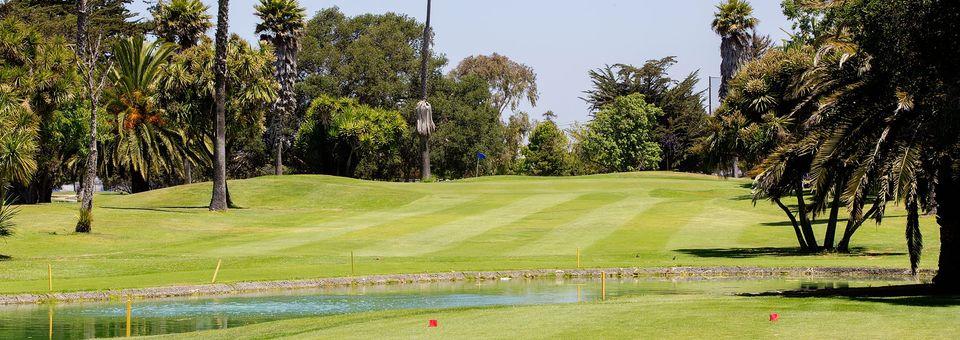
{"x":560,"y":39}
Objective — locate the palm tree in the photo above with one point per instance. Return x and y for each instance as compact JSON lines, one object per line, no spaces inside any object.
{"x":281,"y":24}
{"x":41,"y":70}
{"x":734,"y":22}
{"x":218,"y":200}
{"x":182,"y":22}
{"x":425,"y":125}
{"x":18,"y":146}
{"x":18,"y":150}
{"x":145,"y":143}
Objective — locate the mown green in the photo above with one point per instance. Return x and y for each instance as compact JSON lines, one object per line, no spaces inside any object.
{"x":299,"y":227}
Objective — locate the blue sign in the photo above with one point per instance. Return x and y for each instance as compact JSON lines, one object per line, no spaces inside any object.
{"x":480,"y":155}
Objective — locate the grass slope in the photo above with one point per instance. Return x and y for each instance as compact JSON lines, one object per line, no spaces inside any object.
{"x":295,"y":227}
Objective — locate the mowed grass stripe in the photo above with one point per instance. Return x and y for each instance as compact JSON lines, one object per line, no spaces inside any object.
{"x":301,"y":236}
{"x":650,"y":230}
{"x":511,"y":237}
{"x":717,"y":227}
{"x":587,"y":228}
{"x":368,"y":241}
{"x":452,"y":233}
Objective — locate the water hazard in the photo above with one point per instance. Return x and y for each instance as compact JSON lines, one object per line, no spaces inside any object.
{"x":165,"y":316}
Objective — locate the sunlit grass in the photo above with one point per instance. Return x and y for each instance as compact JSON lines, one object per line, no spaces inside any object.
{"x":295,"y":227}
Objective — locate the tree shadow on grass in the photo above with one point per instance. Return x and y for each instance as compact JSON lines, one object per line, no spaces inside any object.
{"x":840,"y":222}
{"x":747,"y":253}
{"x":923,"y":295}
{"x":916,"y":301}
{"x":178,"y":210}
{"x":5,"y":257}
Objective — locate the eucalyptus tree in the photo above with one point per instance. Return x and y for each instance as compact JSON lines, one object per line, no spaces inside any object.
{"x":511,"y":83}
{"x":218,"y":199}
{"x":182,"y":22}
{"x":282,"y":23}
{"x":734,"y":22}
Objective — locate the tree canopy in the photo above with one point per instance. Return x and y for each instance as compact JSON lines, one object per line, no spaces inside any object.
{"x":510,"y":82}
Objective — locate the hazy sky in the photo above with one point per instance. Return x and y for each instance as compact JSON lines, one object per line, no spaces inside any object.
{"x":560,"y":39}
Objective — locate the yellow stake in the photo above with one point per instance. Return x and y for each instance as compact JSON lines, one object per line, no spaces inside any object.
{"x":50,"y":277}
{"x":217,"y":271}
{"x":129,"y":309}
{"x":352,"y":265}
{"x":603,"y":286}
{"x":578,"y":257}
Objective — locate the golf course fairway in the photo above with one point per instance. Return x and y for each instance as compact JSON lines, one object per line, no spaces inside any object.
{"x":301,"y":227}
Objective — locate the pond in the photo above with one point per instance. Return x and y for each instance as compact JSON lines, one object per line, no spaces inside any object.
{"x":165,"y":316}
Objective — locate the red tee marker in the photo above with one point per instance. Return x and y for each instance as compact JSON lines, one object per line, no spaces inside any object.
{"x":774,"y":317}
{"x":433,"y":323}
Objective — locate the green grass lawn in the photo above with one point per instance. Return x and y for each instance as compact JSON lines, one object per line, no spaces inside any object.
{"x":645,"y":317}
{"x":297,"y":227}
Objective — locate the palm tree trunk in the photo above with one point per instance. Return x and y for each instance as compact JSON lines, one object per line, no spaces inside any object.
{"x":832,"y":223}
{"x":188,"y":171}
{"x":793,"y":220}
{"x":218,"y":201}
{"x":425,"y":157}
{"x":278,"y":164}
{"x":805,"y":224}
{"x":138,"y":182}
{"x":853,"y":224}
{"x":948,"y":217}
{"x":424,"y":61}
{"x":279,"y":106}
{"x":728,"y":64}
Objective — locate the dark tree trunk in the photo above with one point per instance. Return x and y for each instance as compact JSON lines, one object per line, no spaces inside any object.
{"x":853,"y":224}
{"x":188,"y":171}
{"x":831,"y":234}
{"x":948,"y":217}
{"x":736,"y":167}
{"x":425,"y":158}
{"x":218,"y":201}
{"x":279,"y":109}
{"x":796,"y":226}
{"x":727,"y":64}
{"x":805,"y":224}
{"x":278,"y":165}
{"x":424,"y":62}
{"x":39,"y":190}
{"x":138,"y":183}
